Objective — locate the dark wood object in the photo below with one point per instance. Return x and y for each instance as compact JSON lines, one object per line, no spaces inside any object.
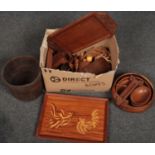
{"x":83,"y":33}
{"x":73,"y":117}
{"x":133,"y":92}
{"x":23,"y":77}
{"x":49,"y":58}
{"x":97,"y":67}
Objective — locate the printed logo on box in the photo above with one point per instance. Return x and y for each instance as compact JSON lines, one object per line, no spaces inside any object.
{"x":57,"y":79}
{"x":85,"y":80}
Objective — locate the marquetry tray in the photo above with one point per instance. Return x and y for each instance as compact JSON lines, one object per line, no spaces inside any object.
{"x":76,"y":118}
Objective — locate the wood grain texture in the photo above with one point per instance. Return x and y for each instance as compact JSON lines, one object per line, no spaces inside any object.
{"x":123,"y":88}
{"x":49,"y":58}
{"x":83,"y":33}
{"x":73,"y":117}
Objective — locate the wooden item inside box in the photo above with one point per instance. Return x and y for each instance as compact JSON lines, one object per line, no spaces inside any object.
{"x":96,"y":60}
{"x":49,"y":58}
{"x":83,"y":33}
{"x":73,"y":117}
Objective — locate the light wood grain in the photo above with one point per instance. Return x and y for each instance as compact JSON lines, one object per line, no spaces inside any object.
{"x":92,"y":111}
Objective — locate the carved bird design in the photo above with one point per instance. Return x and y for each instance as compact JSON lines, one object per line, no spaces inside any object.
{"x":58,"y":117}
{"x":84,"y":126}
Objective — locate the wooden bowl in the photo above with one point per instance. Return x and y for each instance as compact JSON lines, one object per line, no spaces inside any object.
{"x":127,"y":104}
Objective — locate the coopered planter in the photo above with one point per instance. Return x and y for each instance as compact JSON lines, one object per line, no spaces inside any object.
{"x":23,"y":78}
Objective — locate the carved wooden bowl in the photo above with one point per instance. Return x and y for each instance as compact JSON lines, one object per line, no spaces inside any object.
{"x":133,"y":92}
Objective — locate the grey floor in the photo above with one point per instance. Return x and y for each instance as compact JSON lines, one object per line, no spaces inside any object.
{"x":21,"y":33}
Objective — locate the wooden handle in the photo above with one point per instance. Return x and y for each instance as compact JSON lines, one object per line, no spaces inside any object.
{"x":130,"y":88}
{"x":134,"y":83}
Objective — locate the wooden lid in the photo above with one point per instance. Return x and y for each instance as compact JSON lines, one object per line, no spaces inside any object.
{"x":83,"y":33}
{"x":73,"y":117}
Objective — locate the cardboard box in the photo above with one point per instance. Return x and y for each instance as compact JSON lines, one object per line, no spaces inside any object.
{"x":58,"y":81}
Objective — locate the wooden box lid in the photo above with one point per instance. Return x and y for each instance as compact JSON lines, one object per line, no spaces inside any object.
{"x":83,"y":33}
{"x":73,"y":117}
